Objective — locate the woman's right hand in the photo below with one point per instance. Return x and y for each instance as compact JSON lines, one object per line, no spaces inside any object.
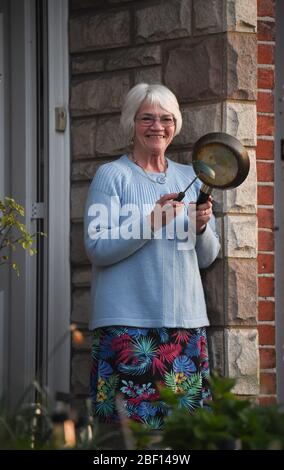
{"x":165,"y":210}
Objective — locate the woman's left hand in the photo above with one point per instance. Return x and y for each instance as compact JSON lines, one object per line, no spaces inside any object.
{"x":203,"y":215}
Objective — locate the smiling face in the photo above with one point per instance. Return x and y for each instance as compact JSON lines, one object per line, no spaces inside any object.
{"x":153,"y":137}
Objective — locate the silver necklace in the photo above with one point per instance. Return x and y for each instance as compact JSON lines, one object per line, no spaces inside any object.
{"x":161,"y":179}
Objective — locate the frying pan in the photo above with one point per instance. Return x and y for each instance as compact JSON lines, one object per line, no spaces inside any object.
{"x":227,"y":159}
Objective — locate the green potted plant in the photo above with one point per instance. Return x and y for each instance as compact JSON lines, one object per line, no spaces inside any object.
{"x":226,"y":423}
{"x":13,"y":232}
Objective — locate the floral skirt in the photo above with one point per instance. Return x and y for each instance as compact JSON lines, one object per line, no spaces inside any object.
{"x":134,"y":362}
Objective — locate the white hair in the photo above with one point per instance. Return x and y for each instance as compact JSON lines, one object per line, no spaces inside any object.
{"x":155,"y":94}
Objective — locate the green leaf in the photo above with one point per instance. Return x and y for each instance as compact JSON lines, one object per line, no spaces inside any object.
{"x":10,"y":214}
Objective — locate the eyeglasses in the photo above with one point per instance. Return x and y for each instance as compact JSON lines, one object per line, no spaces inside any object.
{"x":149,"y":119}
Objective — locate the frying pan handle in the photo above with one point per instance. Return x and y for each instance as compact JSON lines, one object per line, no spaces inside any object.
{"x":180,"y":196}
{"x":204,"y":194}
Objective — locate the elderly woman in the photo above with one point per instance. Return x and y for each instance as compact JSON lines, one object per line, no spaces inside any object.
{"x":148,"y":310}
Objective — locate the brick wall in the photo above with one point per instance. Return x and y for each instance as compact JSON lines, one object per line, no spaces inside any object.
{"x":265,"y":198}
{"x":206,"y":52}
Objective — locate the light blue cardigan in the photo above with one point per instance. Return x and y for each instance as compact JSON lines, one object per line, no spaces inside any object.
{"x":144,"y":281}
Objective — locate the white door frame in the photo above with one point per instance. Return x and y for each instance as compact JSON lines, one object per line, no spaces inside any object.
{"x":59,"y":291}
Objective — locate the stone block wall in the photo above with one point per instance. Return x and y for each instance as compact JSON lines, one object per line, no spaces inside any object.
{"x":206,"y":53}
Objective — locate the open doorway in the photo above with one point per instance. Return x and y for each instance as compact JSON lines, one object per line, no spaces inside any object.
{"x":34,"y":169}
